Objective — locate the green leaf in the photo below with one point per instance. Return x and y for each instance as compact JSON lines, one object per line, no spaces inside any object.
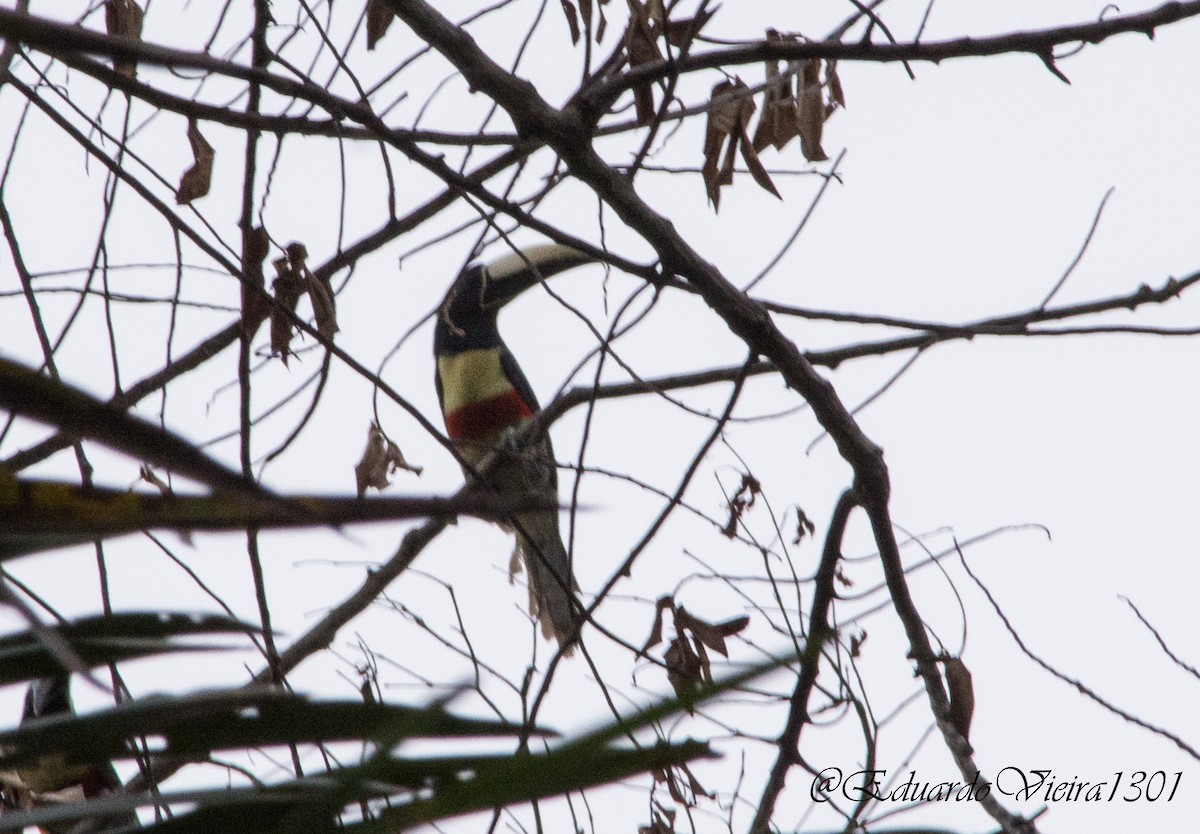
{"x":193,"y":726}
{"x":101,"y":640}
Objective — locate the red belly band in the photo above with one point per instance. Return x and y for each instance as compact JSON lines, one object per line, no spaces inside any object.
{"x":483,"y":419}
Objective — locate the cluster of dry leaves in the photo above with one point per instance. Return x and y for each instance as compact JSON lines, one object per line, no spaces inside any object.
{"x":294,"y":279}
{"x":380,"y":459}
{"x":796,"y":104}
{"x":686,"y":657}
{"x":798,"y":98}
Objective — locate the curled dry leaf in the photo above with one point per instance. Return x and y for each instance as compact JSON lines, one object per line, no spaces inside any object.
{"x":729,"y":112}
{"x":962,"y":695}
{"x":124,"y":18}
{"x":656,"y":630}
{"x":379,"y":18}
{"x":742,"y":500}
{"x":804,"y":525}
{"x":684,"y":667}
{"x":324,"y":310}
{"x":780,"y":119}
{"x":836,"y":97}
{"x":811,"y":120}
{"x":379,"y":460}
{"x":796,"y":105}
{"x":641,"y":46}
{"x":709,"y":634}
{"x":686,"y":658}
{"x":287,"y":289}
{"x":196,"y":180}
{"x":320,"y":294}
{"x":680,"y":33}
{"x":572,"y":19}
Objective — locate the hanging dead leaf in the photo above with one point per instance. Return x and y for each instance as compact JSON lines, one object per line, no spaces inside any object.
{"x":673,"y":788}
{"x":804,"y":525}
{"x":124,"y":18}
{"x":709,"y":634}
{"x":694,"y":784}
{"x":962,"y":695}
{"x":812,"y":115}
{"x":196,"y":180}
{"x":729,"y":112}
{"x":856,"y":642}
{"x":836,"y":97}
{"x":572,"y":20}
{"x":379,"y":18}
{"x":656,"y":630}
{"x":379,"y":460}
{"x":742,"y":500}
{"x":684,"y":667}
{"x":324,"y":309}
{"x":680,"y":33}
{"x":641,"y":48}
{"x":287,"y":289}
{"x":779,"y":122}
{"x":841,"y":577}
{"x":320,"y":294}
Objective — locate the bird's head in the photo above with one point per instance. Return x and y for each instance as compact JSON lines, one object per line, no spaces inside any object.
{"x":467,"y":317}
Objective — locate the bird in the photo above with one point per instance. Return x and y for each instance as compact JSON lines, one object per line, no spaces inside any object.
{"x":48,"y":698}
{"x":486,"y":401}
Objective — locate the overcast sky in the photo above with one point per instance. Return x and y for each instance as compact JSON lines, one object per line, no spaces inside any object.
{"x":963,"y":193}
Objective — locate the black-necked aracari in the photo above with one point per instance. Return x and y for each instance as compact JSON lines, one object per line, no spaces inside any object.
{"x":486,"y":401}
{"x":54,"y":774}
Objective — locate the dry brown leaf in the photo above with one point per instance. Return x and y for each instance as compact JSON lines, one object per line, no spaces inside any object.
{"x":320,"y":294}
{"x":572,"y":20}
{"x":124,"y":18}
{"x":856,"y":642}
{"x":694,"y":784}
{"x":673,"y":788}
{"x":962,"y":695}
{"x":680,"y":33}
{"x":287,"y":289}
{"x":804,"y":526}
{"x":379,"y":18}
{"x":811,"y":118}
{"x":195,"y":180}
{"x":380,"y":459}
{"x":709,"y":634}
{"x":743,"y":499}
{"x":642,"y":48}
{"x":684,"y":668}
{"x":656,"y":630}
{"x":778,"y":124}
{"x":729,"y":112}
{"x":836,"y":97}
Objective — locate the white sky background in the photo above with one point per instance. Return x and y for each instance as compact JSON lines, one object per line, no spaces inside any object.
{"x":964,"y":194}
